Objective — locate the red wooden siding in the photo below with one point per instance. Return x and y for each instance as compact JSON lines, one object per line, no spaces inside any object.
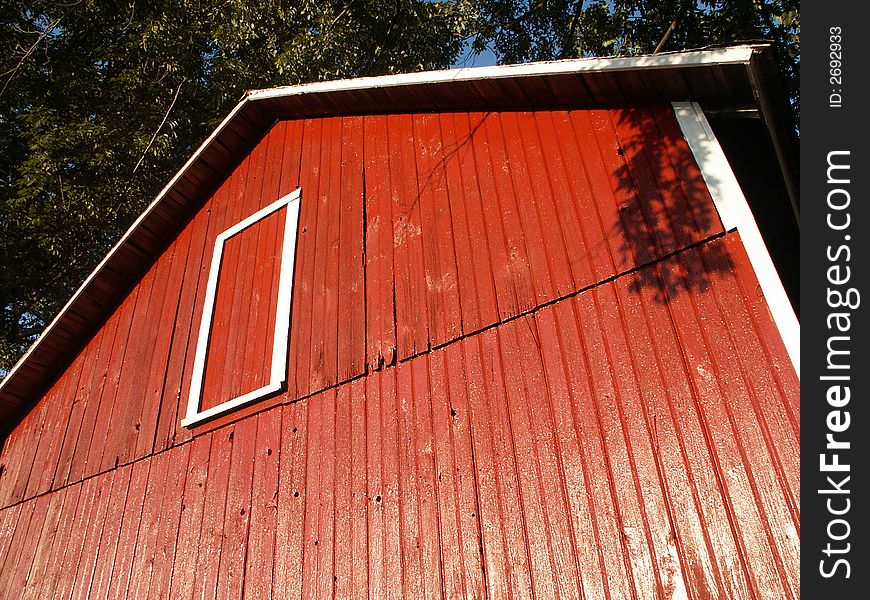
{"x":414,"y":230}
{"x":638,"y":439}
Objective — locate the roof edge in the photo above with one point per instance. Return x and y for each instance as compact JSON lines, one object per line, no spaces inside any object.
{"x":733,"y":55}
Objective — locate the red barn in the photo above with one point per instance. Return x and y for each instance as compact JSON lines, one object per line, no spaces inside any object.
{"x":518,"y":331}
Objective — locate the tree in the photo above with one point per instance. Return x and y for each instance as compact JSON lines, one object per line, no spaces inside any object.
{"x":102,"y":100}
{"x":519,"y":31}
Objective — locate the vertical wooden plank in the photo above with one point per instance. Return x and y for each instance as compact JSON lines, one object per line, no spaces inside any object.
{"x":427,"y":483}
{"x":342,"y":548}
{"x":292,"y":494}
{"x":643,"y":452}
{"x":149,"y":525}
{"x":102,"y":439}
{"x":226,"y":211}
{"x":110,"y":536}
{"x":767,"y":370}
{"x":465,"y":479}
{"x":239,"y":359}
{"x":461,"y":231}
{"x":211,"y":534}
{"x":379,"y":579}
{"x":550,"y":539}
{"x":444,"y":313}
{"x":351,"y":283}
{"x":9,"y":560}
{"x":394,"y":564}
{"x":219,"y":359}
{"x":457,"y":132}
{"x":144,"y":340}
{"x":168,"y":394}
{"x":94,"y":537}
{"x":112,"y":428}
{"x":31,"y":428}
{"x":25,"y":551}
{"x":412,"y":334}
{"x":256,"y":361}
{"x":322,"y":332}
{"x":599,"y":171}
{"x":74,"y":542}
{"x":92,"y":373}
{"x":510,"y":273}
{"x":306,"y":259}
{"x":571,"y":146}
{"x":318,"y":565}
{"x":8,"y":523}
{"x":545,"y":157}
{"x":237,"y":516}
{"x":73,"y":460}
{"x":359,"y":492}
{"x":598,"y":538}
{"x":172,"y":504}
{"x":265,"y":297}
{"x":640,"y":552}
{"x":526,"y":263}
{"x":122,"y":563}
{"x":505,"y":552}
{"x":264,"y":506}
{"x":409,"y":494}
{"x":152,"y":406}
{"x":457,"y":505}
{"x":379,"y":283}
{"x":537,"y":212}
{"x":61,"y":397}
{"x":745,"y":463}
{"x":695,"y":200}
{"x":55,"y":529}
{"x":703,"y":536}
{"x":324,"y":351}
{"x":13,"y":454}
{"x":173,"y":396}
{"x":660,"y":204}
{"x":193,"y":508}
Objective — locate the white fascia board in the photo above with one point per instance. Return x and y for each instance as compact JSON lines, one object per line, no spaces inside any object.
{"x":716,"y":56}
{"x":735,"y":213}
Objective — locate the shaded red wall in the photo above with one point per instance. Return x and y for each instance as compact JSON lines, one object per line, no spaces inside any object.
{"x":631,"y":422}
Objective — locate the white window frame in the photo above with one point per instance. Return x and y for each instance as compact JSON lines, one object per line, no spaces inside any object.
{"x":735,"y":213}
{"x":278,"y":370}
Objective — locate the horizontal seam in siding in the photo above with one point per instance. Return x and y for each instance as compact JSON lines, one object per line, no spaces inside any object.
{"x":367,"y":372}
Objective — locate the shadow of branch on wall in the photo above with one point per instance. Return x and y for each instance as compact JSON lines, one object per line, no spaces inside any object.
{"x":664,"y":205}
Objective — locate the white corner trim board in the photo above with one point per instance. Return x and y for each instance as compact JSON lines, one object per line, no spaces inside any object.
{"x":278,"y":369}
{"x":735,"y":213}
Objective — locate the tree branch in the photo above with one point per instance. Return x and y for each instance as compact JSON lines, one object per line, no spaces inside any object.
{"x":578,"y":8}
{"x":159,"y":127}
{"x":673,"y":26}
{"x":29,"y":51}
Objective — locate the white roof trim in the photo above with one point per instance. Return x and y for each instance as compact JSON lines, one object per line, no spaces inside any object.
{"x":716,"y":56}
{"x":735,"y":213}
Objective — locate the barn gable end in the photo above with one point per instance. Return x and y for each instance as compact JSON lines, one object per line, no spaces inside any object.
{"x":518,"y":324}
